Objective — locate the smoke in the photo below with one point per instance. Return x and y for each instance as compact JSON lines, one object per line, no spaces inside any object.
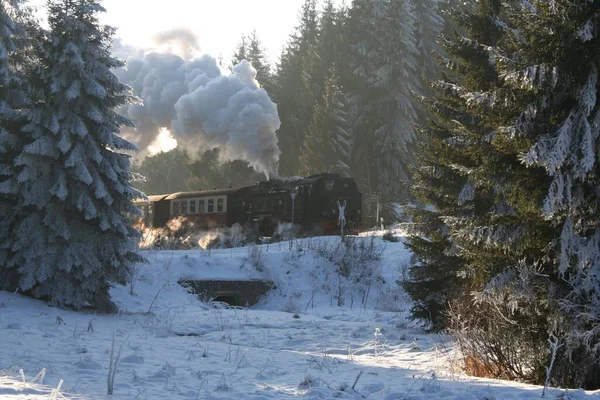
{"x":234,"y":114}
{"x":201,"y":107}
{"x":184,"y":40}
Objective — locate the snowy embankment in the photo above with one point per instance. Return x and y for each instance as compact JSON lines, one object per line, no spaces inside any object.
{"x":297,"y":342}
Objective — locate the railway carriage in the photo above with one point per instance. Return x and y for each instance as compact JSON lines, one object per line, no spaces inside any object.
{"x":207,"y":209}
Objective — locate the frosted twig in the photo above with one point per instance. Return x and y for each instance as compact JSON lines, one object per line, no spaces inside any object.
{"x":155,"y":297}
{"x":40,"y":376}
{"x":553,"y":341}
{"x":356,"y":380}
{"x":56,"y":392}
{"x":240,"y":363}
{"x":112,"y":367}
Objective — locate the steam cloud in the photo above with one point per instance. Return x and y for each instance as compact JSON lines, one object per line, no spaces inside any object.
{"x":199,"y":105}
{"x":184,"y":39}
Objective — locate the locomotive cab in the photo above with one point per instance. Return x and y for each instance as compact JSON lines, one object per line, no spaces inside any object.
{"x":321,"y":193}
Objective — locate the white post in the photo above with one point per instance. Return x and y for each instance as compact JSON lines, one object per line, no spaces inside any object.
{"x":341,"y":217}
{"x":377,"y":215}
{"x":293,"y":194}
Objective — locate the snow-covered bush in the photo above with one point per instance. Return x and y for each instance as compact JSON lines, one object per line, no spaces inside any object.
{"x":490,"y":345}
{"x":356,"y":263}
{"x":255,"y":257}
{"x":388,"y":236}
{"x":182,"y":233}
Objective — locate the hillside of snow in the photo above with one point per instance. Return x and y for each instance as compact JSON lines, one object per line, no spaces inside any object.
{"x":334,"y":326}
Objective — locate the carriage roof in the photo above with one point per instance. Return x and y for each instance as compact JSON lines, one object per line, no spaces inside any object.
{"x":201,"y":193}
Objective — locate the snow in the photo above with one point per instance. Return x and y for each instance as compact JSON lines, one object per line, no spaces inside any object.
{"x":295,"y":343}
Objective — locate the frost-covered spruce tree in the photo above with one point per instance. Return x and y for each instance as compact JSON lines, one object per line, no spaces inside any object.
{"x":429,"y":26}
{"x":447,"y":165}
{"x":241,"y":52}
{"x":326,"y":146}
{"x":68,"y":237}
{"x":258,"y":58}
{"x":559,"y":67}
{"x":13,"y":99}
{"x":528,"y":95}
{"x":294,"y":88}
{"x":384,"y":61}
{"x":399,"y":73}
{"x":481,"y":238}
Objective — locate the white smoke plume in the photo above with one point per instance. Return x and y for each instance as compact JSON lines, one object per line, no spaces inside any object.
{"x":184,"y":41}
{"x":234,"y":114}
{"x":201,"y":107}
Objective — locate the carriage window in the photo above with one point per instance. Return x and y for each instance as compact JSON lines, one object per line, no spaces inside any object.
{"x":201,"y":206}
{"x":175,"y":208}
{"x":220,"y":204}
{"x":144,"y":210}
{"x":184,"y":206}
{"x":329,"y":185}
{"x":211,"y":205}
{"x":192,"y":206}
{"x":150,"y":209}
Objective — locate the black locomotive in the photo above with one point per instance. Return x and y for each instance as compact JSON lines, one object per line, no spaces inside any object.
{"x":310,"y":203}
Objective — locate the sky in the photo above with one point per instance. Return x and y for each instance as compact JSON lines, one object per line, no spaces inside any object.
{"x":219,"y":24}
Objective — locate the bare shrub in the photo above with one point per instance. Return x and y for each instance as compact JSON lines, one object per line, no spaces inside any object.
{"x":255,"y":257}
{"x":388,"y":236}
{"x":161,"y":325}
{"x":227,"y":238}
{"x":356,"y":260}
{"x":176,"y":235}
{"x":112,"y":367}
{"x":495,"y":346}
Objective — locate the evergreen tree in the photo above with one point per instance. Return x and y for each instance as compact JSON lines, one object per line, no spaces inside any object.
{"x":560,"y":47}
{"x":326,"y":146}
{"x":165,"y":172}
{"x":429,"y":26}
{"x":513,"y":79}
{"x":67,"y":237}
{"x":13,"y":100}
{"x":257,"y":57}
{"x":9,"y":94}
{"x":250,"y":49}
{"x":209,"y":172}
{"x":294,"y":90}
{"x":331,"y":45}
{"x":241,"y":52}
{"x":13,"y":88}
{"x":452,"y":138}
{"x":385,"y":64}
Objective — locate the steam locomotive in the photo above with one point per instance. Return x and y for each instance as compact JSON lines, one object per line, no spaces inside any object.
{"x":310,"y":203}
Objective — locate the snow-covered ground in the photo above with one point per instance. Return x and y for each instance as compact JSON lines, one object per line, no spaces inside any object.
{"x":297,"y":342}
